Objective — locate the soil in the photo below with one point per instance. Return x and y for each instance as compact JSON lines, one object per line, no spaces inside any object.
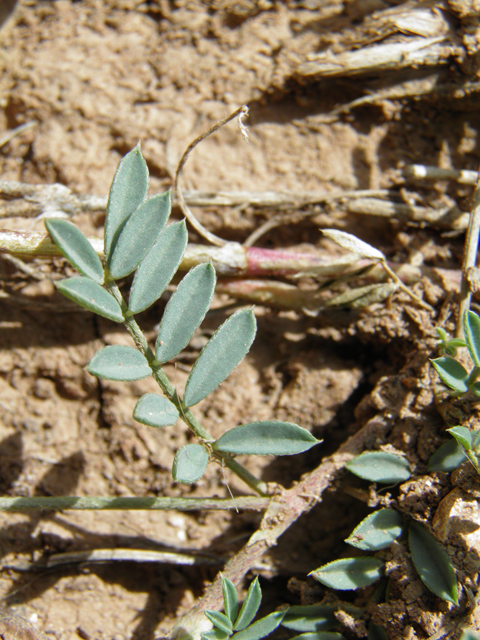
{"x":97,"y":77}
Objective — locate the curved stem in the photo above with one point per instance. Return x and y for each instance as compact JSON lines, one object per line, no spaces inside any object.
{"x":168,"y":389}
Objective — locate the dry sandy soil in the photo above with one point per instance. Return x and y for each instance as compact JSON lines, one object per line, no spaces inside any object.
{"x":95,"y":78}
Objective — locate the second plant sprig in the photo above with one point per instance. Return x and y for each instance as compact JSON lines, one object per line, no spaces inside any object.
{"x":138,"y":240}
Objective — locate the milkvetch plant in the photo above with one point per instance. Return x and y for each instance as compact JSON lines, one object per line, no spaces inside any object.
{"x":138,"y":240}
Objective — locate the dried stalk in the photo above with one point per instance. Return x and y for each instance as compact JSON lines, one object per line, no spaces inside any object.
{"x":85,"y":503}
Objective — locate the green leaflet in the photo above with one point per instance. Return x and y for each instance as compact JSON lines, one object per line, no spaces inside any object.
{"x":349,"y":573}
{"x":311,"y":618}
{"x":90,"y":295}
{"x":447,"y":457}
{"x":76,"y":248}
{"x":215,"y":634}
{"x":452,"y":373}
{"x":471,"y":327}
{"x":138,"y":235}
{"x":468,"y":634}
{"x":230,"y":598}
{"x":155,"y":411}
{"x":220,"y":620}
{"x":379,"y":466}
{"x":128,"y":191}
{"x":185,"y":311}
{"x":262,"y":627}
{"x":463,"y":436}
{"x":269,"y":437}
{"x":432,"y":563}
{"x":190,"y":463}
{"x":119,"y":363}
{"x":250,"y":606}
{"x":158,"y":267}
{"x":377,"y":531}
{"x":220,"y":356}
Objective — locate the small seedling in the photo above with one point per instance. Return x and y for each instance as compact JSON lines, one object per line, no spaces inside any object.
{"x":239,"y":624}
{"x":452,"y":372}
{"x":138,"y":241}
{"x":380,"y":529}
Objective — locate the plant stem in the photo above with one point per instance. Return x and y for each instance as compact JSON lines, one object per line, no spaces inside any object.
{"x":60,"y":503}
{"x":169,"y":390}
{"x":472,"y":376}
{"x":469,"y":259}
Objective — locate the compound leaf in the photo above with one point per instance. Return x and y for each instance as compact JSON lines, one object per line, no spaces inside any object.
{"x":471,"y":327}
{"x":313,"y":617}
{"x":138,"y":235}
{"x":262,"y":627}
{"x":432,"y":563}
{"x":185,"y":311}
{"x":379,"y":466}
{"x":463,"y":436}
{"x":220,"y":620}
{"x":158,"y":267}
{"x":268,"y":437}
{"x":349,"y":573}
{"x":230,"y":598}
{"x":155,"y":411}
{"x":222,"y":353}
{"x":447,"y":457}
{"x":128,"y":191}
{"x":319,"y":635}
{"x":76,"y":248}
{"x":452,"y":373}
{"x":376,"y":632}
{"x":190,"y":463}
{"x":249,"y":607}
{"x":118,"y":362}
{"x":90,"y":295}
{"x":377,"y":531}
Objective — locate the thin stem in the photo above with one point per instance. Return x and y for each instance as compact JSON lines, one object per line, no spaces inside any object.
{"x":85,"y":503}
{"x":469,"y":259}
{"x":169,"y":390}
{"x":472,"y":376}
{"x":198,"y":226}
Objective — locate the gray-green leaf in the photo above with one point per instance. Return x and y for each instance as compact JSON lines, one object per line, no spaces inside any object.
{"x":468,"y":634}
{"x":90,"y":295}
{"x":220,"y":620}
{"x":185,"y":311}
{"x":452,"y":373}
{"x":128,"y":191}
{"x":118,"y":362}
{"x":249,"y":607}
{"x":190,"y":463}
{"x":463,"y":436}
{"x":377,"y":531}
{"x":158,"y":267}
{"x":138,"y":235}
{"x":230,"y":598}
{"x":471,"y":327}
{"x":76,"y":248}
{"x":222,"y":353}
{"x":432,"y":563}
{"x":261,"y":628}
{"x":155,"y":411}
{"x":349,"y":573}
{"x":313,"y":617}
{"x":268,"y":437}
{"x":379,"y":466}
{"x":215,"y":634}
{"x":447,"y":457}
